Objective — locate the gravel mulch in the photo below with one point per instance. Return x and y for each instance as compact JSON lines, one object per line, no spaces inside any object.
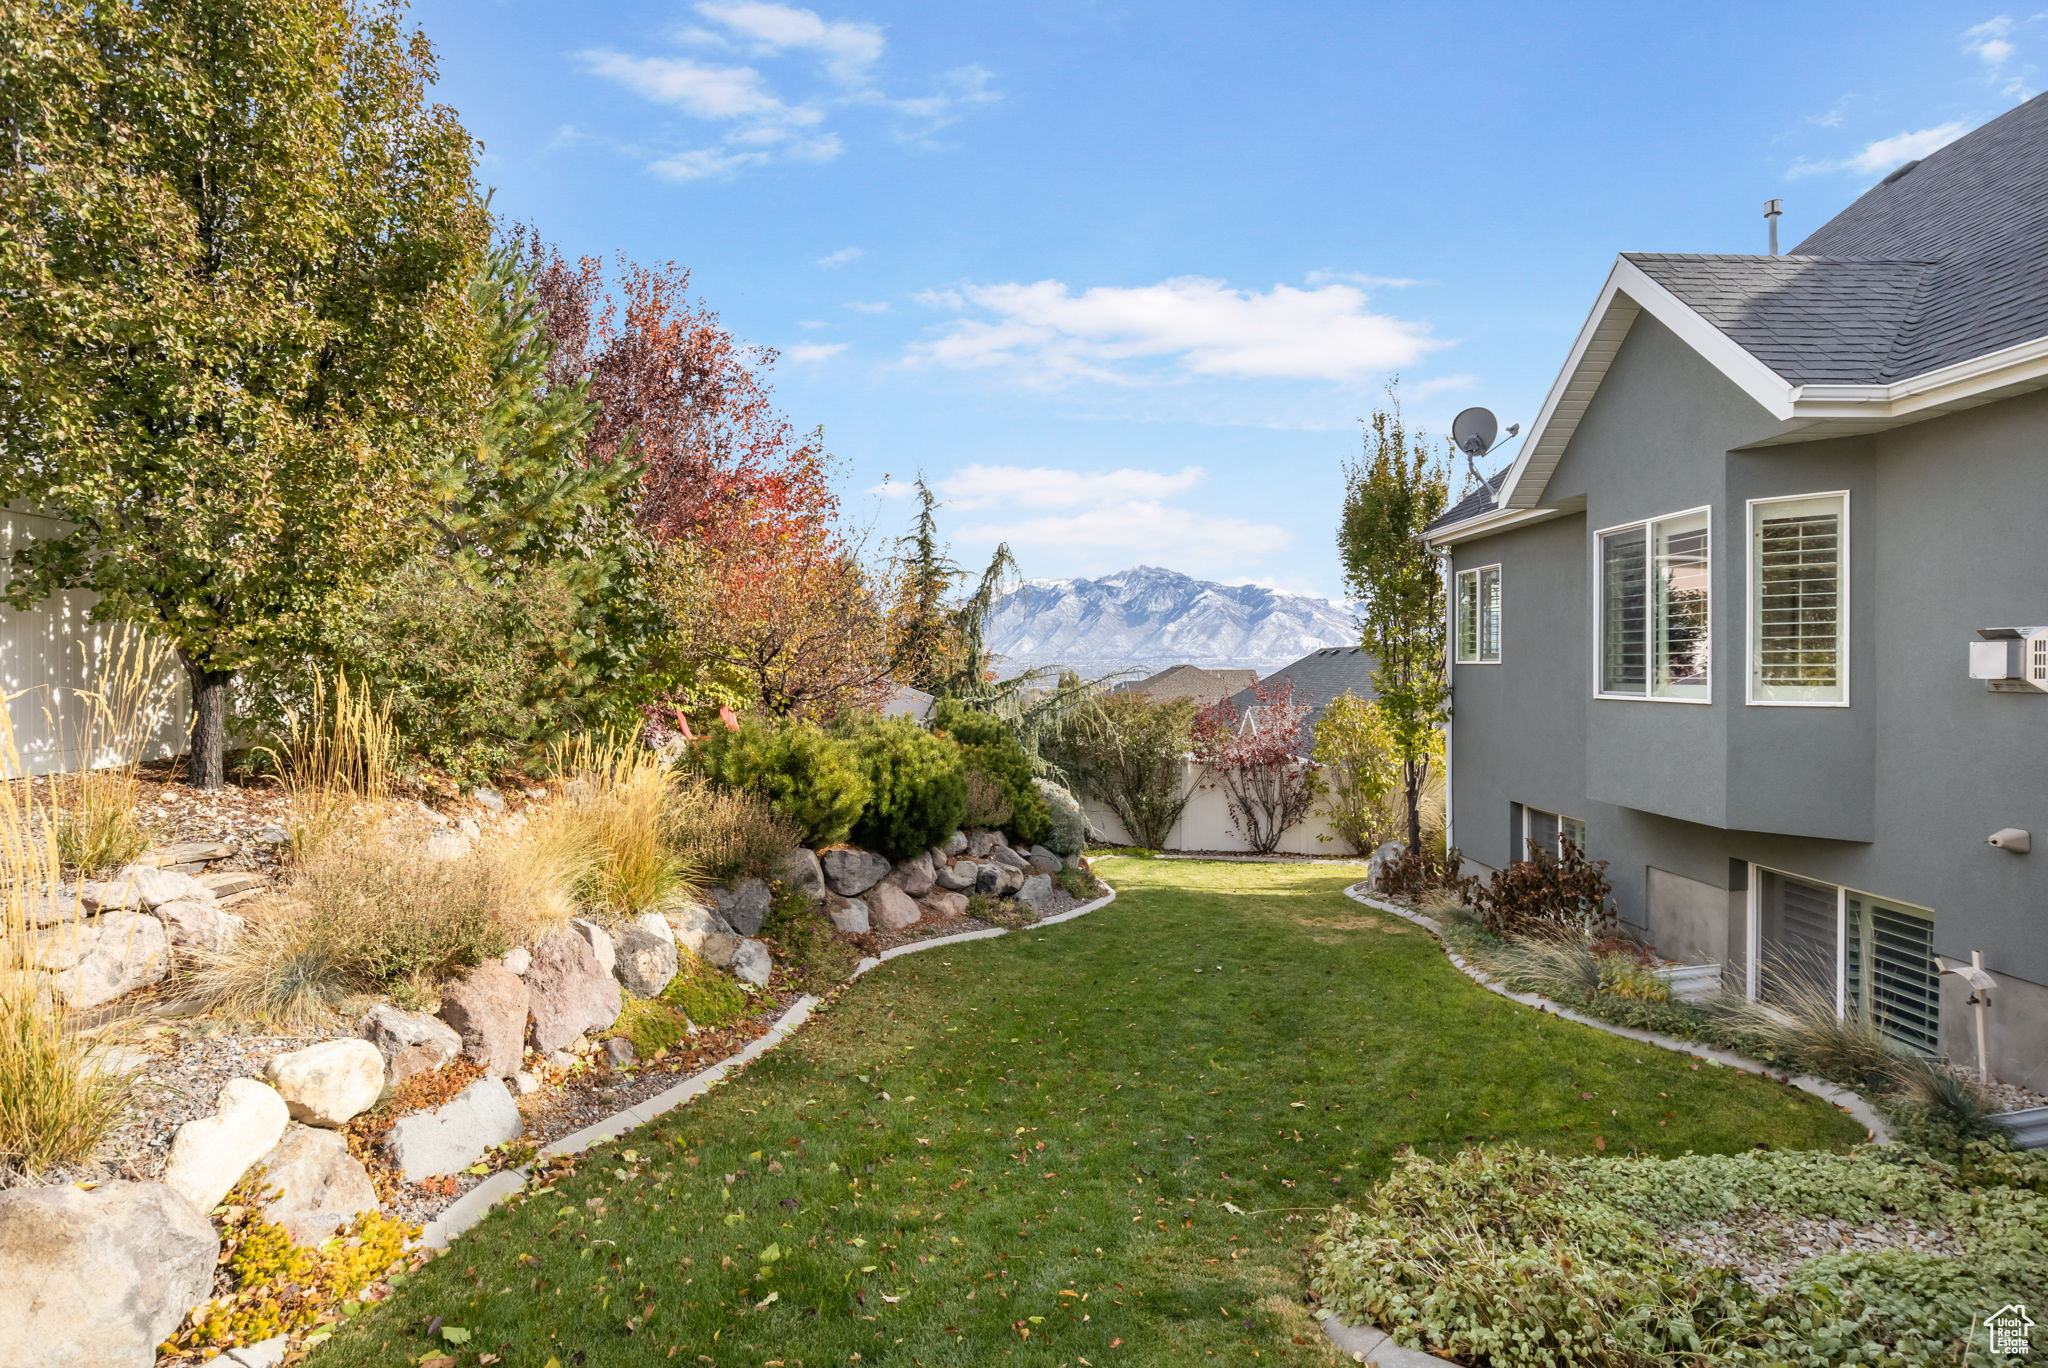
{"x":1764,"y":1253}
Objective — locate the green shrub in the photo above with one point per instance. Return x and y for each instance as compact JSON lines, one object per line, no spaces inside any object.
{"x":916,"y":780}
{"x":705,"y":993}
{"x":1512,"y":1257}
{"x":651,"y":1026}
{"x":1077,"y":882}
{"x":996,"y":758}
{"x":1126,"y":750}
{"x":808,"y":778}
{"x":813,"y":956}
{"x":1548,"y":895}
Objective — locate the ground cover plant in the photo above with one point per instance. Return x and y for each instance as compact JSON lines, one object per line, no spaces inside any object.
{"x":1514,"y":1257}
{"x":1110,"y":1139}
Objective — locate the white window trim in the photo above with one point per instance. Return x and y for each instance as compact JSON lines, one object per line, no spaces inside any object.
{"x":1457,"y":644}
{"x":1842,"y":895}
{"x":1749,"y":605}
{"x":1649,"y":551}
{"x":1522,"y":851}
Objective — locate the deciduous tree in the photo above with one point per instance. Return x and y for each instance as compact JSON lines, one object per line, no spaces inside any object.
{"x":1256,"y":756}
{"x":235,"y":247}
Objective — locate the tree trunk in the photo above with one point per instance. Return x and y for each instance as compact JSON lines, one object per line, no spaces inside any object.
{"x":206,"y":761}
{"x":1413,"y":778}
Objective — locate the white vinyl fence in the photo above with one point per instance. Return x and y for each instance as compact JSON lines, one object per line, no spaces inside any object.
{"x":52,"y":652}
{"x":1205,"y":824}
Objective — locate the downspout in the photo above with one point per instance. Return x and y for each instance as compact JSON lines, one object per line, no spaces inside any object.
{"x":1450,"y":712}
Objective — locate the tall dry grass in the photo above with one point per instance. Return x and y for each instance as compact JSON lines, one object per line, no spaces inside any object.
{"x":726,"y":833}
{"x":334,"y":764}
{"x":615,"y":804}
{"x":108,"y":724}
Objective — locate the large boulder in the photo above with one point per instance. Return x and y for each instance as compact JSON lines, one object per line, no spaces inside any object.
{"x":799,"y":871}
{"x":979,"y":843}
{"x":942,"y":905}
{"x":890,"y":908}
{"x":96,"y":960}
{"x":1006,"y":857}
{"x":487,"y":1007}
{"x":850,"y":872}
{"x":455,"y":1134}
{"x":1036,"y":893}
{"x":158,"y":886}
{"x":751,"y":964}
{"x":913,"y":876}
{"x":957,"y":877}
{"x":328,"y":1084}
{"x":411,"y":1043}
{"x":744,"y":906}
{"x":988,"y":878}
{"x":319,"y":1186}
{"x":600,"y":941}
{"x":1383,"y":856}
{"x":956,"y":844}
{"x":849,"y":915}
{"x":210,"y":1155}
{"x":109,"y":895}
{"x":194,"y":925}
{"x":647,"y":955}
{"x":1069,"y":822}
{"x":568,"y":992}
{"x":1043,"y":860}
{"x":98,"y":1279}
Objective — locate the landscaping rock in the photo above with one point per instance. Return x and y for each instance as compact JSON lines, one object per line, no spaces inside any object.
{"x":799,"y":871}
{"x":263,"y":1354}
{"x":1007,"y":858}
{"x":647,"y":957}
{"x":1069,"y":821}
{"x":693,"y":924}
{"x":979,"y":843}
{"x":185,"y":852}
{"x":850,"y":872}
{"x":273,"y":835}
{"x":487,"y":1007}
{"x":525,"y":1084}
{"x":568,"y":992}
{"x":455,"y":1135}
{"x":210,"y":1155}
{"x":744,"y":906}
{"x":620,"y":1051}
{"x":227,"y":883}
{"x":95,"y":961}
{"x":1009,"y":880}
{"x":957,"y":877}
{"x":58,"y":905}
{"x":109,"y":895}
{"x":1043,"y":860}
{"x":956,"y":844}
{"x":942,"y":905}
{"x":410,"y":1043}
{"x":600,"y":942}
{"x":849,"y":915}
{"x":154,"y":886}
{"x":750,"y":963}
{"x":320,"y":1186}
{"x":1376,"y":868}
{"x":890,"y":908}
{"x":488,"y":797}
{"x":988,"y":878}
{"x":447,"y":845}
{"x":1036,"y":893}
{"x":328,"y":1084}
{"x":98,"y":1279}
{"x":914,"y":876}
{"x":518,"y":959}
{"x":198,"y":925}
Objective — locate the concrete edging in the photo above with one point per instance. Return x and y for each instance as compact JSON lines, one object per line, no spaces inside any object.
{"x":478,"y":1202}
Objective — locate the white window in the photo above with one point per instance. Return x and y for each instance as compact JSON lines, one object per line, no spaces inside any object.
{"x":1549,"y":831}
{"x":1799,"y":600}
{"x":1817,"y":944}
{"x":1655,"y":618}
{"x":1479,"y":616}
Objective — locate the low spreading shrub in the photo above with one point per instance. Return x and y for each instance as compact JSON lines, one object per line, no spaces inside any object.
{"x":725,"y":834}
{"x":707,"y":995}
{"x":1548,"y":894}
{"x":808,"y":778}
{"x":813,"y":956}
{"x":1001,"y":796}
{"x":651,"y":1026}
{"x":1510,"y":1257}
{"x":1077,"y":882}
{"x":1415,"y":875}
{"x":916,"y":780}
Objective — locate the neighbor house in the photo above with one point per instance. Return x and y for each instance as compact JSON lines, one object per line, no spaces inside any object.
{"x":1191,"y":683}
{"x":1748,"y":615}
{"x":1315,"y":679}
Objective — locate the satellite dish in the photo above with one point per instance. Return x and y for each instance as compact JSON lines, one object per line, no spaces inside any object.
{"x":1473,"y":431}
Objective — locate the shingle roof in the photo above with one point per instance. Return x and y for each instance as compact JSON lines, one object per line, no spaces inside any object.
{"x":1190,"y":681}
{"x":1318,"y":678}
{"x":1944,"y":260}
{"x":1472,"y":505}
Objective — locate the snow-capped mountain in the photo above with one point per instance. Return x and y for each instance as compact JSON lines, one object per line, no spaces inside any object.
{"x":1149,"y":618}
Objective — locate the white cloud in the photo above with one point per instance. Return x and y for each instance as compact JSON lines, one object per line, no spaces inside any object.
{"x":1992,"y":43}
{"x":1882,"y":155}
{"x":1186,"y":326}
{"x":1144,"y":528}
{"x":868,"y":305}
{"x":815,"y":351}
{"x":839,"y":258}
{"x":1441,"y":384}
{"x":835,"y":58}
{"x":1047,"y":488}
{"x":1364,"y":281}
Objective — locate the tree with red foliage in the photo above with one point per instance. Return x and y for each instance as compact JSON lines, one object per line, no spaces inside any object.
{"x":1257,"y":756}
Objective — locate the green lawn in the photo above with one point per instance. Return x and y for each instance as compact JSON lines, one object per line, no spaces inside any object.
{"x":1107,"y":1142}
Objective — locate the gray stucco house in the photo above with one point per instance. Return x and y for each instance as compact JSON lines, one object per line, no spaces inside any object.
{"x":1716,"y":621}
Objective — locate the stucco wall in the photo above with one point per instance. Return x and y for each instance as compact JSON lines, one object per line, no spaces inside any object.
{"x":1205,"y":825}
{"x":1892,"y":795}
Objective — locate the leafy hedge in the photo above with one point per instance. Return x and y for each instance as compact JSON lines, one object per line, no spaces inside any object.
{"x":1508,"y":1256}
{"x":991,"y":749}
{"x":917,"y":784}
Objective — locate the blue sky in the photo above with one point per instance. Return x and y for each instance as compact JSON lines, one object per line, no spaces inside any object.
{"x":1120,"y":278}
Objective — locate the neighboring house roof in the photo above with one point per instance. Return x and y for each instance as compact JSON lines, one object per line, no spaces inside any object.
{"x":1191,"y":682}
{"x":904,"y":701}
{"x":1927,"y":295}
{"x":1318,"y":677}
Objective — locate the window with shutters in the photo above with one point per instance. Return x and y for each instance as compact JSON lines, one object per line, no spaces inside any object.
{"x":1479,"y":616}
{"x":1799,"y":601}
{"x":1816,"y":944}
{"x":1655,"y":609}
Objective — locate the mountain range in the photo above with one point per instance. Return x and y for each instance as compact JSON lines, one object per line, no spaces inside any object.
{"x":1147,"y":618}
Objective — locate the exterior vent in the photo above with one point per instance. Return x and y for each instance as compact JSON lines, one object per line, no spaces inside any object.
{"x":2011,"y":659}
{"x":1901,"y":173}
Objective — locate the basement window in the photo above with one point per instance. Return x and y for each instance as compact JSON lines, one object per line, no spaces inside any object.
{"x":1816,"y":944}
